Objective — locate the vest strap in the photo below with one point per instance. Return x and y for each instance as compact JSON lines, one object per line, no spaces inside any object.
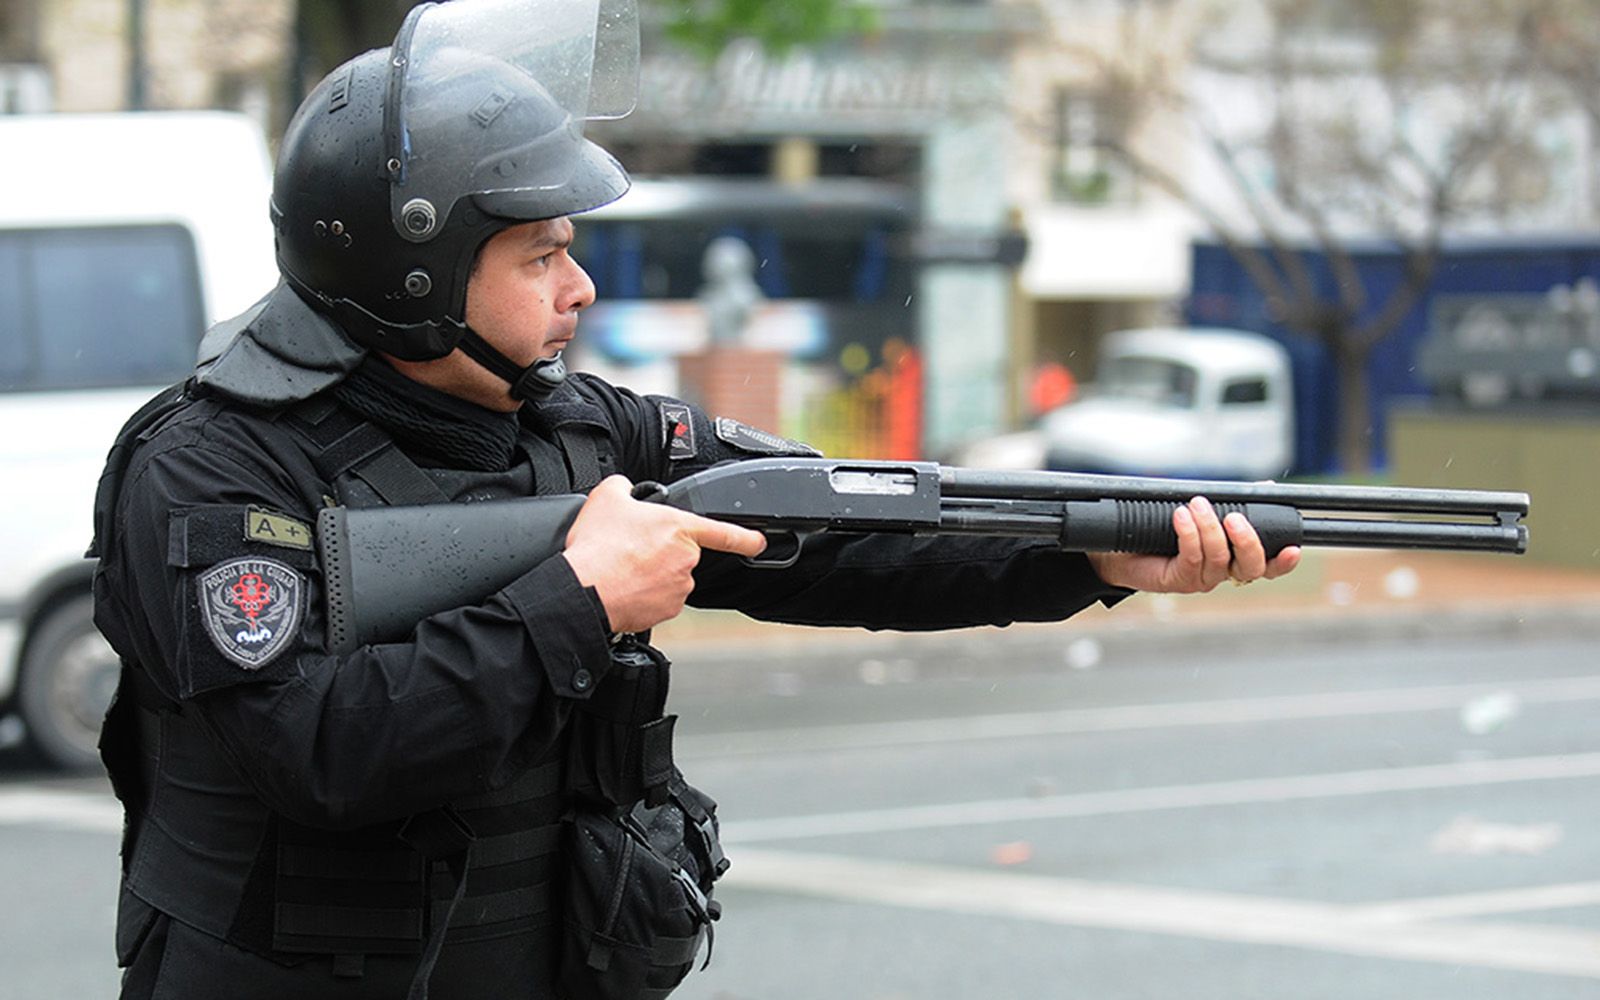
{"x":510,"y":848}
{"x":397,"y":479}
{"x":583,"y":456}
{"x":305,"y":861}
{"x":534,"y":783}
{"x":495,"y":907}
{"x":346,"y":922}
{"x":550,"y":476}
{"x":346,"y":444}
{"x":441,"y":836}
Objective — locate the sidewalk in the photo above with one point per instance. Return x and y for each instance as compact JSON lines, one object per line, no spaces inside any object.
{"x":1336,"y":595}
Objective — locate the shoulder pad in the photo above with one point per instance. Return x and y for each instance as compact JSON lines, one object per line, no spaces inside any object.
{"x":277,"y":352}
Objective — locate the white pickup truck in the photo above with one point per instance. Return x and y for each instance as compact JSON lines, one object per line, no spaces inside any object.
{"x":1194,"y":402}
{"x":1205,"y":403}
{"x":122,"y":237}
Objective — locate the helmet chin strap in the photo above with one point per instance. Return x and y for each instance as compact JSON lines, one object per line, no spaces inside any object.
{"x":532,"y":384}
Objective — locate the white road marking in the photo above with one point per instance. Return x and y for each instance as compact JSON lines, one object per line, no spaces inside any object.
{"x":1130,"y":800}
{"x":1428,"y":929}
{"x":51,"y":807}
{"x":1471,"y":837}
{"x":1188,"y":913}
{"x":1475,"y":904}
{"x":1231,"y":711}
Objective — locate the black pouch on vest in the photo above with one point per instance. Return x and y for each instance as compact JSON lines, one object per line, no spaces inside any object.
{"x":638,"y":897}
{"x":642,"y":848}
{"x":621,"y":747}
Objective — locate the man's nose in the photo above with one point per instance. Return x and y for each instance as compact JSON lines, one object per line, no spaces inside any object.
{"x":581,"y":292}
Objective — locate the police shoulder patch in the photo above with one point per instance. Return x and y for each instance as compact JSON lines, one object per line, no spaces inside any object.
{"x":758,"y":442}
{"x":677,"y":429}
{"x":251,"y":608}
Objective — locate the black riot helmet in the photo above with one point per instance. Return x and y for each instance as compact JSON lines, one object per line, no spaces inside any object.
{"x":404,"y":161}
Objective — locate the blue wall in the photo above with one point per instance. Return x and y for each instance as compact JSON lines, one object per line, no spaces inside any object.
{"x":1222,"y":295}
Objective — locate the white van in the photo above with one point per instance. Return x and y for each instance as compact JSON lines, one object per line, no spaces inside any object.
{"x":1206,"y":403}
{"x":122,"y":237}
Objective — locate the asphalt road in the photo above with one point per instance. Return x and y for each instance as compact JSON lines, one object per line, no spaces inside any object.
{"x":1012,"y":818}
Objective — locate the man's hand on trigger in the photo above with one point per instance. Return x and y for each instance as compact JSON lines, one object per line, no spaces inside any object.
{"x":640,"y":557}
{"x":1210,"y":550}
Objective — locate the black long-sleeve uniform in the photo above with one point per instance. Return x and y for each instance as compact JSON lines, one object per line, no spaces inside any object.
{"x":296,"y":738}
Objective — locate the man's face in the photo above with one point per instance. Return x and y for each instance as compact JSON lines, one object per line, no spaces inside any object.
{"x":523,"y":299}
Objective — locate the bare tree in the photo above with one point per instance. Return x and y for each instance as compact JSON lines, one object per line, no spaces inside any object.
{"x":1321,"y":124}
{"x":1565,"y":34}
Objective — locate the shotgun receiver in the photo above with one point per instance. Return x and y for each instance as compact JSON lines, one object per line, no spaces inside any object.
{"x":373,"y":558}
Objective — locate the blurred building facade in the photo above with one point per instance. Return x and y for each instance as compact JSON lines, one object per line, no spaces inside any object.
{"x":1344,"y":147}
{"x":1106,"y":249}
{"x":113,"y":55}
{"x":918,"y":105}
{"x":1032,"y":241}
{"x":992,"y":117}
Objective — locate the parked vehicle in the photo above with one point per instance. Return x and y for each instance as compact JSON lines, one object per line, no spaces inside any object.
{"x":121,"y":238}
{"x":1205,"y":403}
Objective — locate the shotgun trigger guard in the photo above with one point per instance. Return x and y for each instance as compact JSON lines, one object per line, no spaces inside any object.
{"x":784,"y":546}
{"x":650,"y":492}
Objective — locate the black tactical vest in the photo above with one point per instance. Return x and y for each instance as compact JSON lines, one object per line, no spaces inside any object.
{"x":199,"y":847}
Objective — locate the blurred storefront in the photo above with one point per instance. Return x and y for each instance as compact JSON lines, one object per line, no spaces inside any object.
{"x":913,"y":115}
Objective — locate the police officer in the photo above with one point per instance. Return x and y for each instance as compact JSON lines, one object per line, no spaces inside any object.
{"x":386,"y":822}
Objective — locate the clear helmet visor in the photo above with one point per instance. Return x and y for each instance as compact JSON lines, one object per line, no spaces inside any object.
{"x":490,"y":98}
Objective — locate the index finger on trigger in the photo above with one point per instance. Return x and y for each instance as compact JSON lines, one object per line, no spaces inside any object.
{"x":724,"y":537}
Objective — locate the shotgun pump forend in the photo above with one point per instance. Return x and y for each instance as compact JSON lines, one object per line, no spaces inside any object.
{"x":389,"y":567}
